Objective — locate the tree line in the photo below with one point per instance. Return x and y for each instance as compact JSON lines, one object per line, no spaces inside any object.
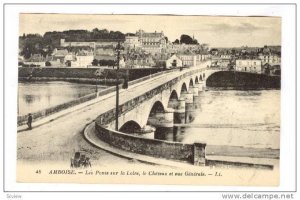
{"x":44,"y":44}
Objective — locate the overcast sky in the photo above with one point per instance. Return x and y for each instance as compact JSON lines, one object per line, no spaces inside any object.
{"x":216,"y":31}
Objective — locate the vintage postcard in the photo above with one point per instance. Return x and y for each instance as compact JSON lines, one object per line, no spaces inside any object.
{"x":149,"y":99}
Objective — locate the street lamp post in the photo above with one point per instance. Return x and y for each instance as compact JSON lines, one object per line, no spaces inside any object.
{"x":117,"y":86}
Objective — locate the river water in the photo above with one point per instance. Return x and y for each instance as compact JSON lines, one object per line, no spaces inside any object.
{"x":232,"y":118}
{"x":35,"y":96}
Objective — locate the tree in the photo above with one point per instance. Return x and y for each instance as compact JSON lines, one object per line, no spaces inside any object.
{"x":68,"y":63}
{"x":95,"y":62}
{"x":167,"y":40}
{"x":48,"y":64}
{"x":176,"y":41}
{"x":186,"y":39}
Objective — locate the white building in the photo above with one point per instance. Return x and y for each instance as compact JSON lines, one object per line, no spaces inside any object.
{"x":36,"y":60}
{"x":173,"y":62}
{"x":70,"y":57}
{"x":188,"y":59}
{"x":83,"y":59}
{"x":63,"y":43}
{"x":225,"y":56}
{"x":132,"y":42}
{"x":152,"y":42}
{"x":248,"y":65}
{"x":271,"y":59}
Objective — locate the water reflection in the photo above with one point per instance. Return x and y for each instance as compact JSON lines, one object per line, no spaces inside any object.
{"x":229,"y":117}
{"x":35,"y":96}
{"x":31,"y":98}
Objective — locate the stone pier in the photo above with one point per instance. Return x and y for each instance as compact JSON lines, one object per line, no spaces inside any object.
{"x":162,"y":119}
{"x":204,"y":84}
{"x":195,"y":91}
{"x":188,"y":97}
{"x":200,"y":86}
{"x":179,"y":111}
{"x":199,"y":154}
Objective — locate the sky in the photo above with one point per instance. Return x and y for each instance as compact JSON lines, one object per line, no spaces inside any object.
{"x":217,"y":31}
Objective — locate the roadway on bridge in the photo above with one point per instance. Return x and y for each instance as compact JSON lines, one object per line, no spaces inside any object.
{"x":58,"y":139}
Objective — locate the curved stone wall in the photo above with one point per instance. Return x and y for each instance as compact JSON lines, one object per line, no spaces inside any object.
{"x":191,"y":153}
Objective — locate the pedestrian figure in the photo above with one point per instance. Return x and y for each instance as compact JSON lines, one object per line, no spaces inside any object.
{"x":75,"y":162}
{"x":87,"y":163}
{"x":29,"y":121}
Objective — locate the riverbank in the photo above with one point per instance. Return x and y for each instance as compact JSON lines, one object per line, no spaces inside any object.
{"x":82,"y":75}
{"x":243,"y":80}
{"x":92,"y":81}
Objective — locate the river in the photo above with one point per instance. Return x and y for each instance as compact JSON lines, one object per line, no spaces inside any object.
{"x":232,"y":118}
{"x":36,"y":96}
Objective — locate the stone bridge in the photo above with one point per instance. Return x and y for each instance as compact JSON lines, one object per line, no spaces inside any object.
{"x":165,"y":100}
{"x":161,"y":106}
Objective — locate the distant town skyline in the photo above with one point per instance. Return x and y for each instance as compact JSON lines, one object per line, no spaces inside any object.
{"x":216,"y":31}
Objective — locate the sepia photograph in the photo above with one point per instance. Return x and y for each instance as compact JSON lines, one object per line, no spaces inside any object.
{"x":148,"y":99}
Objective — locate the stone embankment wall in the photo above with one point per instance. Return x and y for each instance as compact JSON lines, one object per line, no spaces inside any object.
{"x":191,"y":153}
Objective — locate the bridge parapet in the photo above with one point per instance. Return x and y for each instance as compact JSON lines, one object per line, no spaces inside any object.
{"x":191,"y":153}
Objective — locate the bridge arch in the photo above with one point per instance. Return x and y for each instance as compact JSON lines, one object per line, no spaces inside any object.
{"x":157,"y":107}
{"x":183,"y":89}
{"x":130,"y":127}
{"x":201,"y":79}
{"x":173,"y":99}
{"x":196,"y":80}
{"x":191,"y":83}
{"x":208,"y":73}
{"x":174,"y":95}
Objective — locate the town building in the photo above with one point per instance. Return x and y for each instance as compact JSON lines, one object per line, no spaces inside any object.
{"x":225,"y":56}
{"x":132,"y":42}
{"x":92,"y":44}
{"x":59,"y":55}
{"x":173,"y":62}
{"x":248,"y":65}
{"x":189,"y":59}
{"x":139,"y":60}
{"x":63,"y":43}
{"x":272,"y":59}
{"x":36,"y":60}
{"x":153,"y":43}
{"x":221,"y":61}
{"x":176,"y":48}
{"x":83,"y":59}
{"x":271,"y":69}
{"x":69,"y":57}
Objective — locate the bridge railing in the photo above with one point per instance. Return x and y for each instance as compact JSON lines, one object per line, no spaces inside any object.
{"x":133,"y":82}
